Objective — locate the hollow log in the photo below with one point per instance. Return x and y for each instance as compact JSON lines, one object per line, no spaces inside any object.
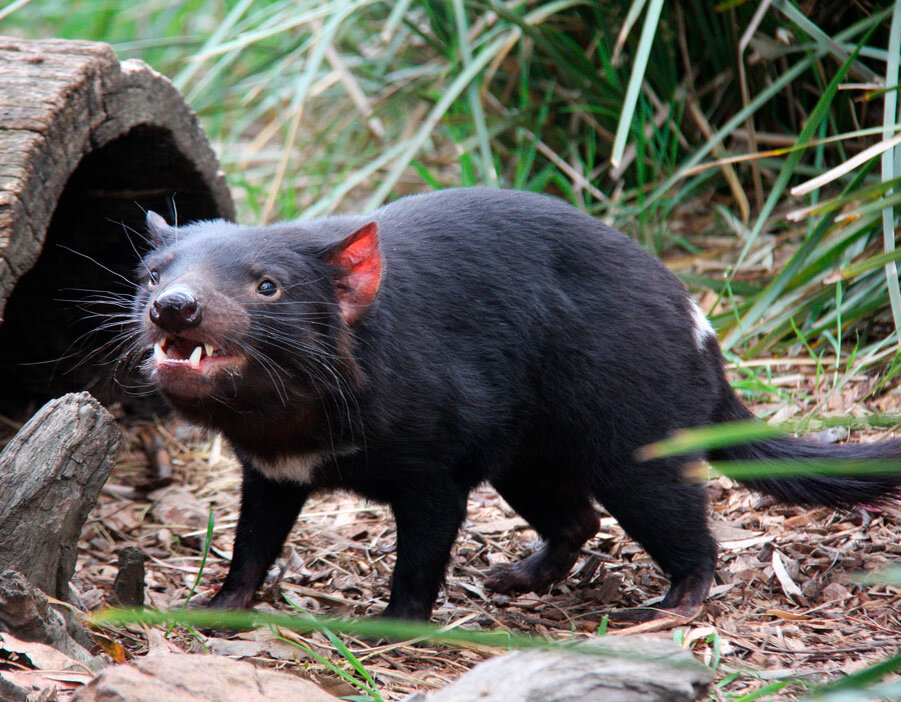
{"x":87,"y":144}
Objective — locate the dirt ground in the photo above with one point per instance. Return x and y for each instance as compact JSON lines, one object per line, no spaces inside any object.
{"x":785,"y":606}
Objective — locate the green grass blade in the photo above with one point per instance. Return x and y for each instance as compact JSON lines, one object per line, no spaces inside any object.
{"x":714,"y":436}
{"x":888,"y":161}
{"x":631,"y":18}
{"x":207,"y":542}
{"x":453,"y":91}
{"x":355,"y":663}
{"x":798,"y":468}
{"x":633,"y":89}
{"x":371,"y":691}
{"x":475,"y":99}
{"x":762,"y":692}
{"x":725,"y":434}
{"x":12,"y":7}
{"x":860,"y":193}
{"x":822,"y":39}
{"x":184,"y":76}
{"x":864,"y":677}
{"x":394,"y":19}
{"x":398,"y":630}
{"x":343,"y":650}
{"x":880,"y":261}
{"x":887,"y":576}
{"x":763,"y":97}
{"x":764,"y":301}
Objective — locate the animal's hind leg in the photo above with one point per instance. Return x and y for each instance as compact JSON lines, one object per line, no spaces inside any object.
{"x":667,"y":515}
{"x":561,"y":513}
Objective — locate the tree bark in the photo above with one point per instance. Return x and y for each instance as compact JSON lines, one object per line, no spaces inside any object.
{"x":51,"y":473}
{"x":62,"y":100}
{"x":87,"y":145}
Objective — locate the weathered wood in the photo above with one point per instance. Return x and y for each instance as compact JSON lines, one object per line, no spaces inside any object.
{"x":61,"y":100}
{"x":128,"y":587}
{"x":646,"y":670}
{"x":10,"y":692}
{"x":51,"y":473}
{"x":26,"y":613}
{"x":86,"y":145}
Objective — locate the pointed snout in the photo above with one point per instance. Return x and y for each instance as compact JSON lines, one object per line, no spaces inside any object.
{"x":176,"y":309}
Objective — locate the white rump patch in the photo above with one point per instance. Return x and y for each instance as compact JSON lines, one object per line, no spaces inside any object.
{"x":701,"y":325}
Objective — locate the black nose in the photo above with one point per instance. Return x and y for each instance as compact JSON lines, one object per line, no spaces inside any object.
{"x":175,"y":309}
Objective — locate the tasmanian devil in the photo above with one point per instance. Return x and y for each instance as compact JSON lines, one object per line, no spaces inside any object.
{"x":445,"y":340}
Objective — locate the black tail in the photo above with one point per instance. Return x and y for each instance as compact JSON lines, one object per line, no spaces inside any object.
{"x":831,"y":491}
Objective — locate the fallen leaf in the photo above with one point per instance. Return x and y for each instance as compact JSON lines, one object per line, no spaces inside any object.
{"x":179,"y":508}
{"x":158,"y":644}
{"x":41,"y":656}
{"x":836,"y":591}
{"x":48,"y":679}
{"x":499,"y":526}
{"x":789,"y":616}
{"x":746,"y":543}
{"x":110,"y":647}
{"x":788,"y":585}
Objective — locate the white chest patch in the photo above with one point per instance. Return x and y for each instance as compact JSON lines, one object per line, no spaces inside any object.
{"x":297,"y":469}
{"x":292,"y":469}
{"x":700,"y":325}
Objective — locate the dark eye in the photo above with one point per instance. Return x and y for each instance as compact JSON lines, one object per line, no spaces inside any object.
{"x":267,"y":288}
{"x":154,"y":276}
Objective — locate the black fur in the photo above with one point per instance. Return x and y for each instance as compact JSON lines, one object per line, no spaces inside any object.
{"x":513,"y":339}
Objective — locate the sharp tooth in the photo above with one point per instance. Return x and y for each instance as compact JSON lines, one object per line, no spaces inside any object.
{"x":159,"y":354}
{"x":209,"y":349}
{"x":194,"y":358}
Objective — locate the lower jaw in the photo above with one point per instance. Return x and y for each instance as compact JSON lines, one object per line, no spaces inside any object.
{"x":184,"y":381}
{"x":193,"y":386}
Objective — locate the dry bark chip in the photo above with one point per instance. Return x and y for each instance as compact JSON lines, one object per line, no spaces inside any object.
{"x":128,"y":587}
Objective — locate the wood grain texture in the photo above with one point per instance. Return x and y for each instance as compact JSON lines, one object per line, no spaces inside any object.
{"x":50,"y":475}
{"x":60,"y":101}
{"x":27,"y":614}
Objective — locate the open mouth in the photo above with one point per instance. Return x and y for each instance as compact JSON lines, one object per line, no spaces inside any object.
{"x":176,"y":351}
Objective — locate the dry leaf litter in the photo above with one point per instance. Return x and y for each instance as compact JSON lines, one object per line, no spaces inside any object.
{"x":785,"y":604}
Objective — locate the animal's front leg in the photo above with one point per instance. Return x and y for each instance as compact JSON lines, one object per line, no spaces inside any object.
{"x":428,"y":516}
{"x":268,"y":511}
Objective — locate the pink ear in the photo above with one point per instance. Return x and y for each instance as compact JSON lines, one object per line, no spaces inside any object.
{"x":359,"y":263}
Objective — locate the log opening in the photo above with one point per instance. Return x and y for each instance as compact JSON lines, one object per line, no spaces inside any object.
{"x":87,"y":144}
